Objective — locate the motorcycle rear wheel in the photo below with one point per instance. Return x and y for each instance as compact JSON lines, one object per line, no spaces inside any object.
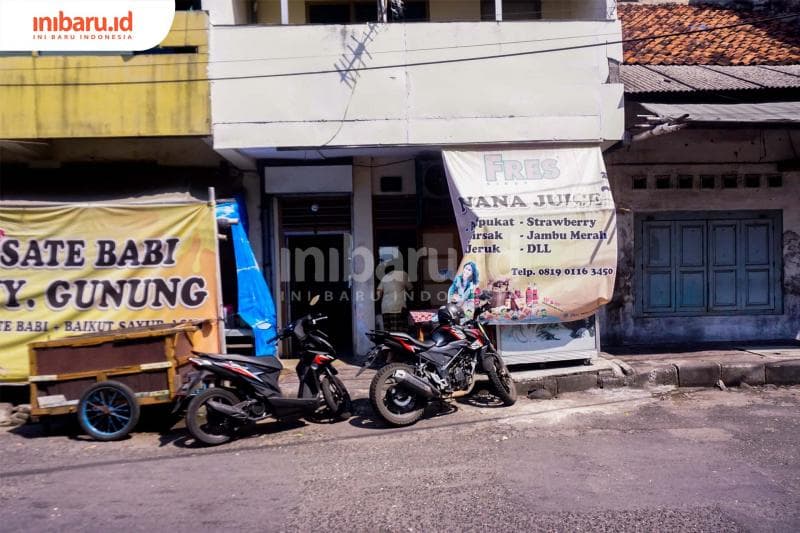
{"x":207,"y":425}
{"x":396,"y":405}
{"x":336,"y":397}
{"x":502,"y":381}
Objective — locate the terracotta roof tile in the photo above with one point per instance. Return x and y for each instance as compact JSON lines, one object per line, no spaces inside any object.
{"x":771,"y":43}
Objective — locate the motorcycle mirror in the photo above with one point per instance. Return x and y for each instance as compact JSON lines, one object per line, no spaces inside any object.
{"x":314,"y":300}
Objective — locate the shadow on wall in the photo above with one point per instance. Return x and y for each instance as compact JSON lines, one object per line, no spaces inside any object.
{"x":105,"y":181}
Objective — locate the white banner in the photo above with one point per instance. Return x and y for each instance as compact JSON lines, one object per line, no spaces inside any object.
{"x":84,"y":25}
{"x":537,"y":229}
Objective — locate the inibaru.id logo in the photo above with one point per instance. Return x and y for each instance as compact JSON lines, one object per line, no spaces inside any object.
{"x":84,"y":25}
{"x":64,"y":26}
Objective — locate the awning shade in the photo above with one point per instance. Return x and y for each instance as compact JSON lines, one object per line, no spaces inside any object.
{"x":771,"y":112}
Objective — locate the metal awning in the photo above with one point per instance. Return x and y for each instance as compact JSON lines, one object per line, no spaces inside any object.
{"x":771,"y":112}
{"x":640,"y":79}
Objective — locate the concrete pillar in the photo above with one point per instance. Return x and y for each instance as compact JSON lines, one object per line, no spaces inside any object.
{"x":284,"y":12}
{"x":383,"y":10}
{"x":363,"y":287}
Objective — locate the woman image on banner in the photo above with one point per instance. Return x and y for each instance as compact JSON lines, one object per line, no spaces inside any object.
{"x":462,"y":291}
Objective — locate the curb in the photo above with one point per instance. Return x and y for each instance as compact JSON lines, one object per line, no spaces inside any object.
{"x":782,"y":372}
{"x":709,"y":373}
{"x":679,"y":373}
{"x":572,"y":382}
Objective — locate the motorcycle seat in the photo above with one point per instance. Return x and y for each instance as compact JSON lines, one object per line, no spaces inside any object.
{"x":411,"y":340}
{"x":268,"y":363}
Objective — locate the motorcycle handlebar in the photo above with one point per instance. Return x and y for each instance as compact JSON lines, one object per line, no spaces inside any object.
{"x":318,"y":318}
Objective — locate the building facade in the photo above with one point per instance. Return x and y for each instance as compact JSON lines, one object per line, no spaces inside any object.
{"x":339,"y":122}
{"x":330,"y":118}
{"x":707,"y":184}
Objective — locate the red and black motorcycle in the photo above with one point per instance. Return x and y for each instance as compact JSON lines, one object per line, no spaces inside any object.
{"x":412,"y":373}
{"x":231,"y":391}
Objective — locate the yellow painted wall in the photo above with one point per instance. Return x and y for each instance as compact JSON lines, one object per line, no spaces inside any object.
{"x":269,"y":12}
{"x":454,"y":10}
{"x":41,"y":96}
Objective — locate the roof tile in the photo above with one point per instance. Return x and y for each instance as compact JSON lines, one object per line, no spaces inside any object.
{"x":771,"y":43}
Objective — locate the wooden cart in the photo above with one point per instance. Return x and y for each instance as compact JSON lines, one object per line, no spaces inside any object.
{"x":105,"y":377}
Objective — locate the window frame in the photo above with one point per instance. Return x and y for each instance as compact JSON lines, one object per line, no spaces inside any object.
{"x":709,"y":218}
{"x":352,"y":7}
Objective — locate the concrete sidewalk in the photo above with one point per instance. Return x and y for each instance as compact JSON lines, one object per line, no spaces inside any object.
{"x":730,"y":365}
{"x":719,"y":365}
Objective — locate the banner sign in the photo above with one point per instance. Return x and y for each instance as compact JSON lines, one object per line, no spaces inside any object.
{"x":538,"y":232}
{"x":83,"y":268}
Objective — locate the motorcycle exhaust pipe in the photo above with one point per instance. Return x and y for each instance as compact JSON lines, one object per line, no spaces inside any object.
{"x":227,"y":410}
{"x":414,"y":384}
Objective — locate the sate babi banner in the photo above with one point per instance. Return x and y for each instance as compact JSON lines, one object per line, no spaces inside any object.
{"x":89,"y":268}
{"x":538,"y":232}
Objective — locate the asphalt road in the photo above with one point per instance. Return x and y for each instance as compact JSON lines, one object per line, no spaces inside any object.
{"x":618,"y":460}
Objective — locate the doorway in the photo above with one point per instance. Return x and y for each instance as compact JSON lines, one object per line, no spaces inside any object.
{"x":318,"y":266}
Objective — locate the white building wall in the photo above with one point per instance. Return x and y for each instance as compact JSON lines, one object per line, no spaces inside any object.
{"x":549,"y":97}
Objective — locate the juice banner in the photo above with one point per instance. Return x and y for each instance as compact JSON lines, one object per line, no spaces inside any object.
{"x":538,"y":232}
{"x":84,"y":268}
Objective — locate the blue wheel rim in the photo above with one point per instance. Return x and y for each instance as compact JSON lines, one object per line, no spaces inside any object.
{"x":107,"y":411}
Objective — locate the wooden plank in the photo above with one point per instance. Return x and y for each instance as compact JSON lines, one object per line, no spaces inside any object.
{"x":50,"y":411}
{"x":121,"y":353}
{"x":32,"y":371}
{"x":169,"y":351}
{"x":121,"y":334}
{"x":142,"y":399}
{"x":133,"y":369}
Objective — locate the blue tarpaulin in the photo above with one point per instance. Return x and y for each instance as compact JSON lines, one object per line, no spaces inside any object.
{"x":256,"y":307}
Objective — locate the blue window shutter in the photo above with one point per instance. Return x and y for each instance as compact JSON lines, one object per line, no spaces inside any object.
{"x":756,"y":264}
{"x":690,"y":265}
{"x":658,"y":267}
{"x":723,"y":268}
{"x":708,"y":263}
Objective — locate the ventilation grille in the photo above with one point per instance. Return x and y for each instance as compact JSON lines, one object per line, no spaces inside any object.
{"x":394,"y":212}
{"x":706,"y":181}
{"x":332,"y":213}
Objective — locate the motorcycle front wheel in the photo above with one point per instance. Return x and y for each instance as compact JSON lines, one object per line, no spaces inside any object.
{"x":336,"y":397}
{"x":206,"y":424}
{"x":393,"y":403}
{"x":502,"y":381}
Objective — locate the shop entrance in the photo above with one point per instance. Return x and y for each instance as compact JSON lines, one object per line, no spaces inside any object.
{"x":315,"y":260}
{"x":318,"y":267}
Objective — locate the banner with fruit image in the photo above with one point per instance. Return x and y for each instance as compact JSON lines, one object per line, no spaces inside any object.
{"x":538,"y":232}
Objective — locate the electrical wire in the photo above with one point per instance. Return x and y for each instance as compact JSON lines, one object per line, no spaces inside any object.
{"x":410,"y":64}
{"x":383,"y":164}
{"x":284,"y":58}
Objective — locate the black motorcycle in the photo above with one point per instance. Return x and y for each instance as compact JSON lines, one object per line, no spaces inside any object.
{"x":440,"y":369}
{"x":242,"y":390}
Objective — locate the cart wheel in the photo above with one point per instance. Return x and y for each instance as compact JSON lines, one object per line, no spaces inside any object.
{"x":108,"y":410}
